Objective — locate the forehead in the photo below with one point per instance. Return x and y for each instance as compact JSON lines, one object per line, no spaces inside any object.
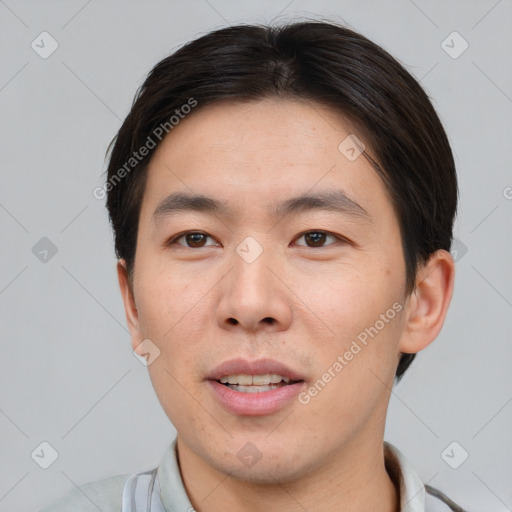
{"x":262,"y":153}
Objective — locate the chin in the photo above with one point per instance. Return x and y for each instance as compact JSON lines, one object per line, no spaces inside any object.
{"x":261,"y":473}
{"x":270,"y":465}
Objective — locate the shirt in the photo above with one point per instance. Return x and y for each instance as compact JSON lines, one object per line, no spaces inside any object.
{"x":107,"y":495}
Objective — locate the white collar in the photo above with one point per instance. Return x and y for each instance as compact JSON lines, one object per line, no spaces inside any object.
{"x":411,"y":488}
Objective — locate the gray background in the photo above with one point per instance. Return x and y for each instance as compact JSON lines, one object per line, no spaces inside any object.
{"x":68,"y":376}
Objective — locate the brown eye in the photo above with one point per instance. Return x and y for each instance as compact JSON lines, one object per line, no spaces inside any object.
{"x":317,"y":238}
{"x":193,"y":239}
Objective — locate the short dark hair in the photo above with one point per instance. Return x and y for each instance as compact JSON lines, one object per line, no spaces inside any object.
{"x":315,"y":61}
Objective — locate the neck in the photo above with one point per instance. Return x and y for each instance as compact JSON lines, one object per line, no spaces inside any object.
{"x":353,"y":479}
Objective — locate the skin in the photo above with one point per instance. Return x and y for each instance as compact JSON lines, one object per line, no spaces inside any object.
{"x":327,"y":454}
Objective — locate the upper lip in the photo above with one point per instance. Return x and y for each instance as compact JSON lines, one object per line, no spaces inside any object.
{"x":241,"y":366}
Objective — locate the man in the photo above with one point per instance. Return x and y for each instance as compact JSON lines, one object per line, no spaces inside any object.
{"x":282,"y":201}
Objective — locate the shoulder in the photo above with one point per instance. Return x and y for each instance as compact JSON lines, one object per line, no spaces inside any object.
{"x":105,"y":495}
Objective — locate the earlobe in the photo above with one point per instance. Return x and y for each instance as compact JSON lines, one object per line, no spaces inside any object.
{"x":427,"y":306}
{"x":132,"y":314}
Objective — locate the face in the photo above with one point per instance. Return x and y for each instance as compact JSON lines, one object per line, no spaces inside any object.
{"x":265,"y":285}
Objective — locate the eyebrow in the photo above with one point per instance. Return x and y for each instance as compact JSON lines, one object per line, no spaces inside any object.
{"x":336,"y":201}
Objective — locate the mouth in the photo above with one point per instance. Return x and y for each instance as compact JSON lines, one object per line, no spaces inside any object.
{"x":254,"y":388}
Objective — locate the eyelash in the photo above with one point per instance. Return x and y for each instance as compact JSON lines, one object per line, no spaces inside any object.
{"x":174,"y":239}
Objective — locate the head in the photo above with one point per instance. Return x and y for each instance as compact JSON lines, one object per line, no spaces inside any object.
{"x":344,"y":286}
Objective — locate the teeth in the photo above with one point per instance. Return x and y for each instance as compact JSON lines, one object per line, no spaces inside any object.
{"x":256,"y":380}
{"x":264,"y":380}
{"x":254,"y":389}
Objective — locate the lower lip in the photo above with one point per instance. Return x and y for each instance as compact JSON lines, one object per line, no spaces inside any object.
{"x":255,"y":404}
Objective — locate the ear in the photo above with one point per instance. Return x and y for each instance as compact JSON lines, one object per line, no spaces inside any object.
{"x":132,"y":315}
{"x":428,"y":304}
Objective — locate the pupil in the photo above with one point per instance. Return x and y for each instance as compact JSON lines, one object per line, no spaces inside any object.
{"x":195,"y":238}
{"x":315,"y":236}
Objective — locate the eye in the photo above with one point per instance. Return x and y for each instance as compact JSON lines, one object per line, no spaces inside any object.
{"x":197,"y":239}
{"x":193,"y":239}
{"x":317,"y":238}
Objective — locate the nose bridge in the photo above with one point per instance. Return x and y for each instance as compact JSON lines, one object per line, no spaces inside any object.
{"x":252,"y":295}
{"x":251,"y":275}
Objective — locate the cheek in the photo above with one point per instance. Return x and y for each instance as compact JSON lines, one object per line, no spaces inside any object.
{"x":359,"y":316}
{"x":172,"y":302}
{"x":173,"y":395}
{"x":349,"y":297}
{"x":355,"y":369}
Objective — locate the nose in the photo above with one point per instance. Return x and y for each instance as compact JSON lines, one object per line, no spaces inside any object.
{"x":254,"y":295}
